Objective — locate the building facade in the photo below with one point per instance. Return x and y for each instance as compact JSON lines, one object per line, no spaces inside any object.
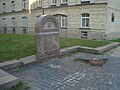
{"x":90,"y":19}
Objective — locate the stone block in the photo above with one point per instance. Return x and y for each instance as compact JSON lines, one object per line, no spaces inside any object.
{"x":72,"y":49}
{"x":7,"y":80}
{"x":10,"y":64}
{"x":63,"y":51}
{"x":28,"y":60}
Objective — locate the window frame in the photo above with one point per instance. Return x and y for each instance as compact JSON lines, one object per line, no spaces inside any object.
{"x":86,"y":18}
{"x":14,"y":23}
{"x":24,"y":22}
{"x":39,"y":3}
{"x":4,"y":22}
{"x":23,"y":4}
{"x":64,"y":2}
{"x":55,"y":1}
{"x":63,"y":21}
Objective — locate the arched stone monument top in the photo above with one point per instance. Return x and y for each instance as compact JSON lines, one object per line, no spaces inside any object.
{"x":46,"y":23}
{"x":47,"y":37}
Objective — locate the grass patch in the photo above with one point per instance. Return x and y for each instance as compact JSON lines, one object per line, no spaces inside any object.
{"x":20,"y":86}
{"x":67,"y":42}
{"x":14,"y":46}
{"x":116,"y":40}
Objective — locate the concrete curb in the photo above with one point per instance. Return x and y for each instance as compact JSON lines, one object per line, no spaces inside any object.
{"x":107,"y":47}
{"x":10,"y":64}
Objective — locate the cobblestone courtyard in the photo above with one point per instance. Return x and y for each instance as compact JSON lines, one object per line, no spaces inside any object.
{"x":67,"y":74}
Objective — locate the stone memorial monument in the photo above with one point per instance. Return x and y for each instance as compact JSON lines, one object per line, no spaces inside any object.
{"x":47,"y":37}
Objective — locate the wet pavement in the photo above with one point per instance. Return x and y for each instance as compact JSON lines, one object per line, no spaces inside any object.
{"x":67,"y":74}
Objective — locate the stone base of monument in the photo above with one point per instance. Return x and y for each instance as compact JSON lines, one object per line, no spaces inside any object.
{"x":45,"y":59}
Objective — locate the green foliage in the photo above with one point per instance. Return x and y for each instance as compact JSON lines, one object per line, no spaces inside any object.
{"x":20,"y":86}
{"x":13,"y":46}
{"x":116,"y":40}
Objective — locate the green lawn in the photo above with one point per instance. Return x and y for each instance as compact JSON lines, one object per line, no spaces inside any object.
{"x":67,"y":42}
{"x":14,"y":46}
{"x":117,"y":40}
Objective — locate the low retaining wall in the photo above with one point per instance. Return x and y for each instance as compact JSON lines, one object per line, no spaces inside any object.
{"x":32,"y":59}
{"x":98,"y":50}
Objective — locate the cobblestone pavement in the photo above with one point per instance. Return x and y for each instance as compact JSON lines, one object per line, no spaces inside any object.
{"x":114,"y":52}
{"x":67,"y":74}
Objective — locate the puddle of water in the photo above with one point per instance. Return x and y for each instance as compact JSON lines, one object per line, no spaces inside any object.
{"x":83,"y":61}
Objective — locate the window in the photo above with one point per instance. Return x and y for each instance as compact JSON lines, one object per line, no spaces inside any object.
{"x":4,"y":22}
{"x":39,"y":3}
{"x":14,"y":31}
{"x":13,"y":22}
{"x":53,"y":2}
{"x":13,"y":5}
{"x":85,"y":1}
{"x":85,"y":20}
{"x":5,"y":25}
{"x":24,"y":22}
{"x":24,"y":4}
{"x":24,"y":31}
{"x":64,"y":21}
{"x":3,"y":7}
{"x":63,"y":1}
{"x":84,"y":34}
{"x":5,"y":30}
{"x":112,"y":17}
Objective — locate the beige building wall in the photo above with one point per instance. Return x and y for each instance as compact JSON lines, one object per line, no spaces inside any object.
{"x":100,"y":11}
{"x":113,"y":27}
